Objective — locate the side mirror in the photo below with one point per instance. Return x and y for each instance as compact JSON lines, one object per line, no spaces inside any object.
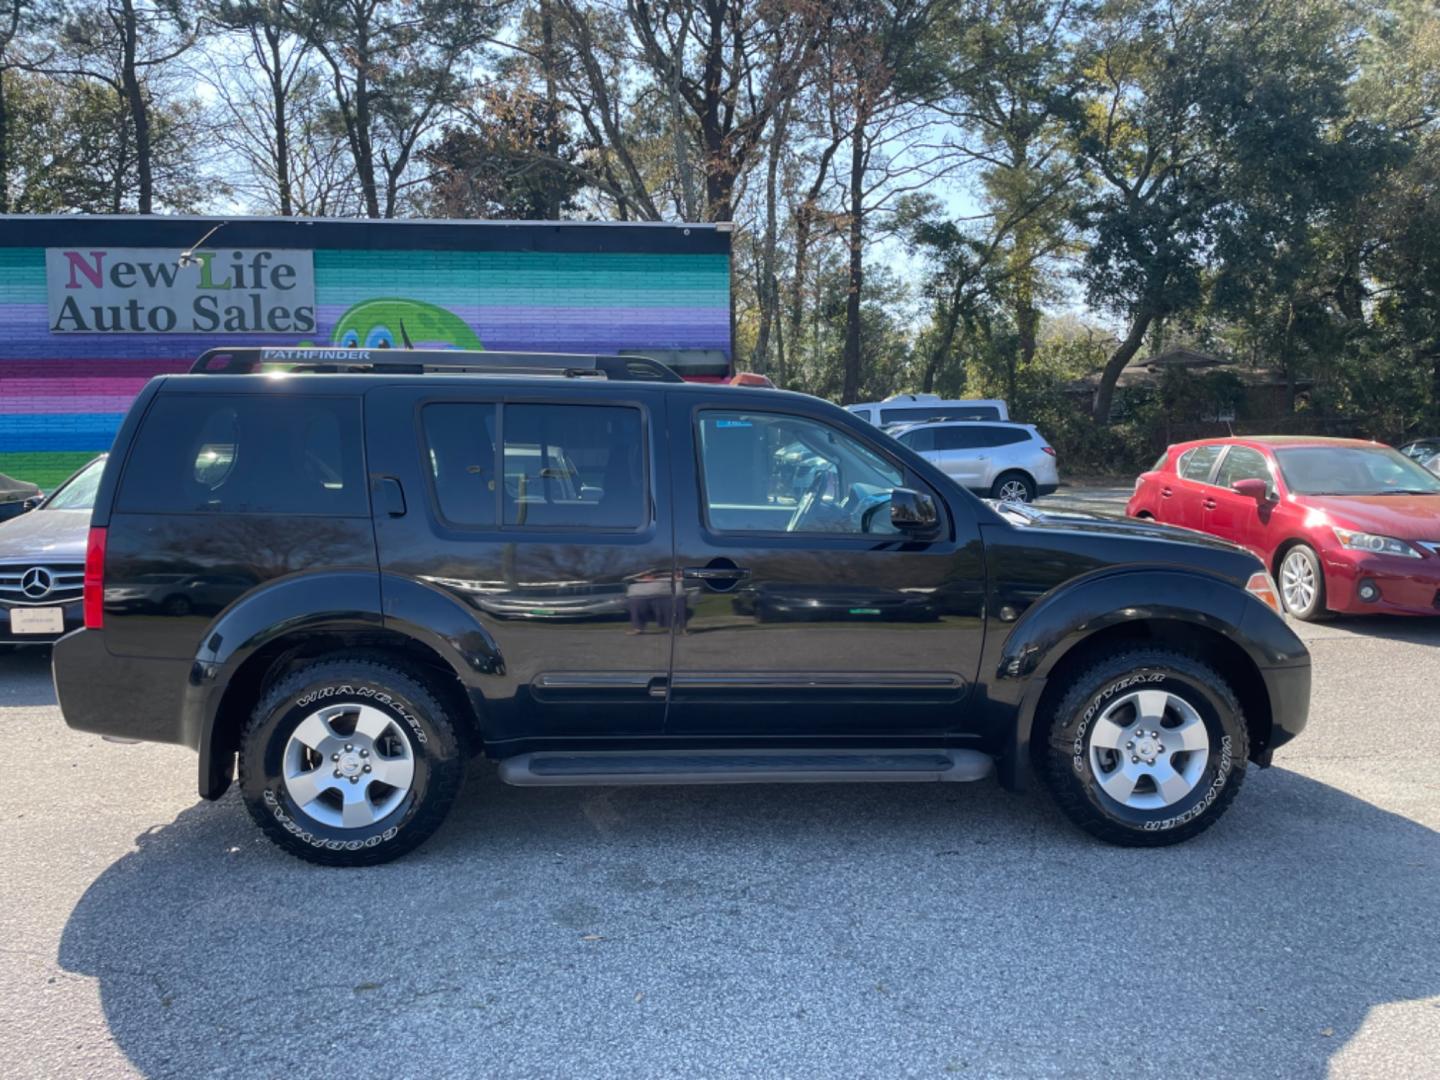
{"x":1254,"y":488}
{"x":912,"y":511}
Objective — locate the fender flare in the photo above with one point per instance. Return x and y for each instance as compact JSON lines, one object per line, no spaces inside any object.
{"x":1053,"y":626}
{"x":337,"y":601}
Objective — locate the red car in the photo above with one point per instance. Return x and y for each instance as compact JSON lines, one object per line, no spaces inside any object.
{"x":1343,"y":525}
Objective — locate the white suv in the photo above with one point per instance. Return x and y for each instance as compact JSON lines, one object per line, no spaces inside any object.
{"x":918,"y":408}
{"x":1009,"y":462}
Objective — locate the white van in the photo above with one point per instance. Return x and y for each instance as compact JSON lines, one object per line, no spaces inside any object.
{"x":919,"y":408}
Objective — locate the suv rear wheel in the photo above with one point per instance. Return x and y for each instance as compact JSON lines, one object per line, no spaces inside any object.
{"x":350,"y":762}
{"x":1145,"y":748}
{"x":1013,"y":486}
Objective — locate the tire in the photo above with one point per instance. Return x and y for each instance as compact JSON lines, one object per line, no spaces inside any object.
{"x":1299,"y":577}
{"x":405,"y":725}
{"x":1014,"y":486}
{"x":1075,"y":742}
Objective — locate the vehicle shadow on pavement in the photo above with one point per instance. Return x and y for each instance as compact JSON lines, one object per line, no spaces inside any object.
{"x":829,"y":930}
{"x":25,"y":678}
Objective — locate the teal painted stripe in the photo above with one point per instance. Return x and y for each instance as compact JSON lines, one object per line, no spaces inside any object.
{"x":22,"y":276}
{"x":471,"y":277}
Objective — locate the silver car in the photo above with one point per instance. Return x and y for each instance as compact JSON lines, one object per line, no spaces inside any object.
{"x":1009,"y":462}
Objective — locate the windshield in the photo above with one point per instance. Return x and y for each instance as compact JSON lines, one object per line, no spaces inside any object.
{"x":1353,"y":470}
{"x":78,"y":493}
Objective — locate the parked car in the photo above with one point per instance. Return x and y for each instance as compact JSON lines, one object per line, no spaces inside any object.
{"x":1425,"y":451}
{"x":916,"y":408}
{"x":1344,"y":525}
{"x":17,"y":497}
{"x":42,"y":561}
{"x":1009,"y":462}
{"x":362,"y":521}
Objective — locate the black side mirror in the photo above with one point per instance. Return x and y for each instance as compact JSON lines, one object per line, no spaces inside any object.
{"x":912,"y":511}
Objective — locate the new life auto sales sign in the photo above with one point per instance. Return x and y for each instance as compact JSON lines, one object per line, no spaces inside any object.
{"x":111,"y":290}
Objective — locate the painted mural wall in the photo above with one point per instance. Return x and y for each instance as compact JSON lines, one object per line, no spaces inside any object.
{"x":76,"y":345}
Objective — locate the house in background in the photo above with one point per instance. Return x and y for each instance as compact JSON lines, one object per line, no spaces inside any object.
{"x":1202,"y":389}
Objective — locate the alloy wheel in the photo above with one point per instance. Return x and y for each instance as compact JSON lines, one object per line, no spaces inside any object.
{"x":1014,"y":491}
{"x":348,"y":766}
{"x":1148,"y":749}
{"x":1297,"y":581}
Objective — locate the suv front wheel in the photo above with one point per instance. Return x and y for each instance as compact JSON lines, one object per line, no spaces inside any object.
{"x":350,"y":762}
{"x":1145,"y":748}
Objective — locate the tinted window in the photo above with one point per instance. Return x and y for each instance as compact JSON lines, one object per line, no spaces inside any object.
{"x":574,"y":465}
{"x":247,"y":454}
{"x":1196,"y":464}
{"x":1242,"y":463}
{"x":979,"y":436}
{"x":764,"y":472}
{"x":966,"y":438}
{"x":919,"y":441}
{"x":939,"y":412}
{"x":460,"y":440}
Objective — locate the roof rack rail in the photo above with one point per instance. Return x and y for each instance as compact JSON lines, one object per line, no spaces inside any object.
{"x":321,"y":359}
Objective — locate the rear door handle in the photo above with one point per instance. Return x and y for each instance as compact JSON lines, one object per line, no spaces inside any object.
{"x":1165,"y":493}
{"x":715,"y":573}
{"x":389,"y":496}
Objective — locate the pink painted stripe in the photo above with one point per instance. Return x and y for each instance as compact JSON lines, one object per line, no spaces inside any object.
{"x":46,"y":404}
{"x":107,"y":386}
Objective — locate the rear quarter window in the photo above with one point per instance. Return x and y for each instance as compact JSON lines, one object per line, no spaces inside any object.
{"x":247,"y":454}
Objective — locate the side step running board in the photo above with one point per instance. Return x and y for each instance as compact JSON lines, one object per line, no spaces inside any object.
{"x":563,"y":769}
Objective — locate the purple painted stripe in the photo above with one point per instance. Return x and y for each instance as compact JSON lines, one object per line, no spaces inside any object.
{"x":13,"y":369}
{"x":101,"y":385}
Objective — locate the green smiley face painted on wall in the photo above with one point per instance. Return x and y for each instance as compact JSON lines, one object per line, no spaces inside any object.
{"x":377,"y":324}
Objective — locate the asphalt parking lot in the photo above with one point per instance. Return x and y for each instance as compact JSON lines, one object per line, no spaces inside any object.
{"x":749,"y":931}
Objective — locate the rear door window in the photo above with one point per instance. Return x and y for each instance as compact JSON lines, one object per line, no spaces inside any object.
{"x":574,"y":465}
{"x":964,"y":438}
{"x":920,"y":441}
{"x":247,"y":454}
{"x":562,"y":466}
{"x":460,"y":448}
{"x":1196,"y":464}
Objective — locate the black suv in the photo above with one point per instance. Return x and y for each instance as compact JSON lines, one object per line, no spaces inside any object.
{"x":594,"y":573}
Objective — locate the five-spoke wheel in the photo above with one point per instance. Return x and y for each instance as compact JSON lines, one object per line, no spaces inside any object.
{"x":350,"y":761}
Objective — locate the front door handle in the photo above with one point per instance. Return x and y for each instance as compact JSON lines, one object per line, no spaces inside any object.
{"x":715,"y":573}
{"x":1210,"y":504}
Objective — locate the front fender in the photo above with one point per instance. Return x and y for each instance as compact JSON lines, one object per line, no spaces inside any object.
{"x":1058,"y":622}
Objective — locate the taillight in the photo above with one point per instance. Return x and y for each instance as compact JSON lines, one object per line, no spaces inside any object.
{"x":95,"y":580}
{"x":1049,"y":450}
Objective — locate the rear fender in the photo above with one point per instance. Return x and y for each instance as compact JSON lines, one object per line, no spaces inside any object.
{"x":339,"y":602}
{"x":335,"y":601}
